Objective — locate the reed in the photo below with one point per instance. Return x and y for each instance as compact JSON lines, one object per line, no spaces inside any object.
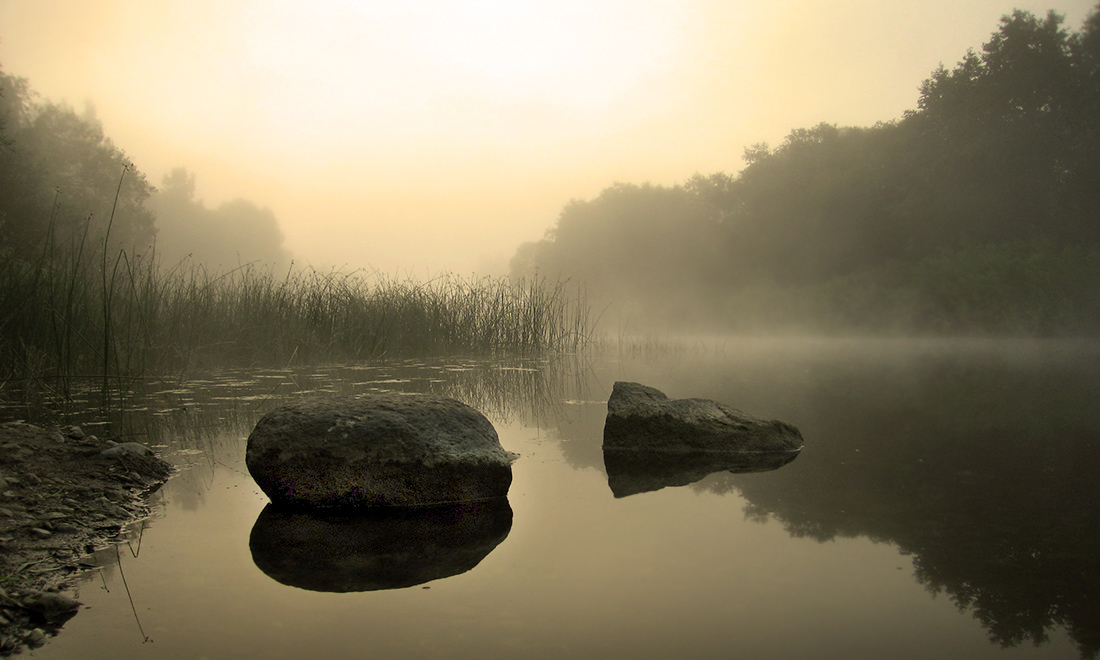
{"x":73,"y":312}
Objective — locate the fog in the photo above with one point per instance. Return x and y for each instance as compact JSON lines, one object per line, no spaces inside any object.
{"x":428,"y":136}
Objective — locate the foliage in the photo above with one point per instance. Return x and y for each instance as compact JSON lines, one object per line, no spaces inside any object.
{"x":874,"y":228}
{"x":1021,"y":288}
{"x":232,"y":234}
{"x":58,"y":178}
{"x":74,"y":314}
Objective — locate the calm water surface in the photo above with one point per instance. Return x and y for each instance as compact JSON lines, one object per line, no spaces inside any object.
{"x":945,"y":505}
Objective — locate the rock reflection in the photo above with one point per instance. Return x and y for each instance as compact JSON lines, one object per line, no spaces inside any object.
{"x":637,"y":471}
{"x":390,"y":548}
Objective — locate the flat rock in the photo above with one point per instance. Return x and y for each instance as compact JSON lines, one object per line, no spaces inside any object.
{"x":643,"y":418}
{"x":384,"y":449}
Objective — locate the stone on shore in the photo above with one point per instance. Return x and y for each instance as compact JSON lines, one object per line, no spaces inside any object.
{"x":385,"y":449}
{"x":642,"y":418}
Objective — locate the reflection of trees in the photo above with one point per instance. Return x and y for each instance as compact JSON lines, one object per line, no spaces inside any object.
{"x":984,"y":475}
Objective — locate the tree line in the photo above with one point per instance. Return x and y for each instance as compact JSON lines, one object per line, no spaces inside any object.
{"x":64,"y":184}
{"x":979,"y":210}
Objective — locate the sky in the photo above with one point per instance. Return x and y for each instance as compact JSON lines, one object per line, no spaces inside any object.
{"x":424,"y":136}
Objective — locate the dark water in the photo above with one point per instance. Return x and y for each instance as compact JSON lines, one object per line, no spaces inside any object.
{"x":945,"y":505}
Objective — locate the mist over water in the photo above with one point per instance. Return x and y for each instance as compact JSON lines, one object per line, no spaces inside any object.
{"x":868,"y":222}
{"x":943,"y":504}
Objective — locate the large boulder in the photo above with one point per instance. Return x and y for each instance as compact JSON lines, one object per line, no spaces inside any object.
{"x":385,"y":449}
{"x":642,"y":418}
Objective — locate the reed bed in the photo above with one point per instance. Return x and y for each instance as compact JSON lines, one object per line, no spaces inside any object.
{"x":70,"y":314}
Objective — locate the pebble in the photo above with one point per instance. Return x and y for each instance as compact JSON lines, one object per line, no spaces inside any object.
{"x":32,"y":479}
{"x":53,"y":606}
{"x":6,"y":513}
{"x":117,"y":494}
{"x":35,"y":637}
{"x":41,"y":533}
{"x":126,"y":449}
{"x":75,"y":432}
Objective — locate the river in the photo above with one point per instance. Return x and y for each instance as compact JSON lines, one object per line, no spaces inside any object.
{"x":945,"y":505}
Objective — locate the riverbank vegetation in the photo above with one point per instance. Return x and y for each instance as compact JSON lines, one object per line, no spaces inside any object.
{"x":76,"y":315}
{"x":978,"y":212}
{"x":87,"y":290}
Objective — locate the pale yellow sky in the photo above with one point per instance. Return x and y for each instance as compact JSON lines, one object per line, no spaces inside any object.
{"x":423,"y":136}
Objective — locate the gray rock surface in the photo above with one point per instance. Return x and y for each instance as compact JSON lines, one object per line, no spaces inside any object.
{"x":384,"y":449}
{"x":642,"y":418}
{"x":126,"y":449}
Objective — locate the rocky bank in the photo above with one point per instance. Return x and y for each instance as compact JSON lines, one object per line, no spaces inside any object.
{"x":63,"y":495}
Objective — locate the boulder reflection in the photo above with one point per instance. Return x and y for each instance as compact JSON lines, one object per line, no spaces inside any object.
{"x":638,"y":471}
{"x":389,"y":548}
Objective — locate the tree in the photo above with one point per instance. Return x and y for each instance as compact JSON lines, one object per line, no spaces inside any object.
{"x":1083,"y":180}
{"x":996,"y":134}
{"x":59,"y":177}
{"x":235,"y":233}
{"x":14,"y":96}
{"x":1001,"y":155}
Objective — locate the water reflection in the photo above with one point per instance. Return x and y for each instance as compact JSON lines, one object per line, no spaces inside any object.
{"x":982,"y":468}
{"x":387,"y":548}
{"x":188,"y":412}
{"x":977,"y":464}
{"x":630,"y":472}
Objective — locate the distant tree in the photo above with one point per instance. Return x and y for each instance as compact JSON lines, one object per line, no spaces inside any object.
{"x":232,"y":234}
{"x":997,"y":134}
{"x":1003,"y":150}
{"x":1083,"y":177}
{"x":59,"y":175}
{"x":14,"y":96}
{"x":629,"y":240}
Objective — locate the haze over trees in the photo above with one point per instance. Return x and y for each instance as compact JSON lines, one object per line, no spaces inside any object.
{"x":234,"y":233}
{"x":977,"y":211}
{"x":59,"y":176}
{"x":103,"y":276}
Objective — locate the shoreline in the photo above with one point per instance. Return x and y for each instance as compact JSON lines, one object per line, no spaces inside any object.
{"x":63,"y":495}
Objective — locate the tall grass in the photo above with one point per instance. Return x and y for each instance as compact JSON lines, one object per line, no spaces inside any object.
{"x":69,"y":313}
